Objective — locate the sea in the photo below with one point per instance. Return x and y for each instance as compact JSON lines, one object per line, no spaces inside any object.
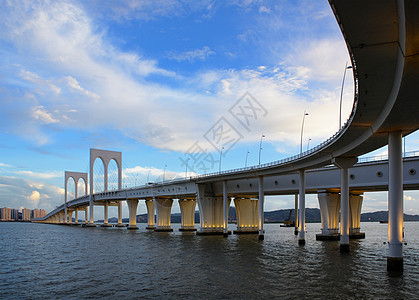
{"x":43,"y":261}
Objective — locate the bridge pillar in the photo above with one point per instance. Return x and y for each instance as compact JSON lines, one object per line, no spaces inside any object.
{"x":151,"y":223}
{"x":163,"y":212}
{"x":247,"y":213}
{"x":61,"y":217}
{"x":344,"y":163}
{"x":211,"y":215}
{"x":302,"y":210}
{"x":261,"y":207}
{"x":187,"y":213}
{"x":70,"y":216}
{"x":226,"y":204}
{"x":329,"y":211}
{"x":120,"y":215}
{"x":132,"y":208}
{"x":106,"y":215}
{"x":296,"y":214}
{"x":395,"y":202}
{"x":86,"y":219}
{"x":76,"y":216}
{"x":56,"y":219}
{"x":355,"y":205}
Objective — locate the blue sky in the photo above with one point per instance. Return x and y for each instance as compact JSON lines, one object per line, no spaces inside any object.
{"x":152,"y":78}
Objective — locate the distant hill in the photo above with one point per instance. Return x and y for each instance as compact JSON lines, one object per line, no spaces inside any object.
{"x":312,"y":216}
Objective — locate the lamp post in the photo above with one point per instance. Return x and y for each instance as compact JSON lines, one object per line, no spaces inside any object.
{"x":245,"y":162}
{"x":302,"y":128}
{"x":164,"y":171}
{"x":221,"y":153}
{"x":186,"y":168}
{"x":260,"y":146}
{"x":308,"y":143}
{"x":341,"y":94}
{"x":148,"y":176}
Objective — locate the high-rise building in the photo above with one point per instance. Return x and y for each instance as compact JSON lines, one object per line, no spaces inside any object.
{"x":26,"y":214}
{"x":43,"y":213}
{"x":14,"y":213}
{"x":5,"y":214}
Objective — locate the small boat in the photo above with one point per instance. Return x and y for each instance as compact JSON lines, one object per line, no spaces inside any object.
{"x":383,"y":221}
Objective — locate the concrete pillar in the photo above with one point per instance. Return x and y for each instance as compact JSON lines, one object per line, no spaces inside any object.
{"x":132,"y":208}
{"x":261,"y":206}
{"x":395,"y":202}
{"x":70,"y":216}
{"x":302,"y":210}
{"x":91,"y":223}
{"x":344,"y":163}
{"x":296,"y":214}
{"x":151,"y":223}
{"x":247,"y":213}
{"x":355,"y":205}
{"x":329,"y":211}
{"x":211,"y":219}
{"x":76,"y":216}
{"x":187,"y":211}
{"x":61,"y":216}
{"x":86,"y":219}
{"x":225,"y":209}
{"x":120,"y":215}
{"x":106,"y":215}
{"x":163,"y":212}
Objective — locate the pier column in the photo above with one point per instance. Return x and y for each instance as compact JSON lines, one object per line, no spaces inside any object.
{"x":187,"y":212}
{"x":344,"y":163}
{"x":247,"y":213}
{"x":76,"y":216}
{"x":261,"y":206}
{"x":106,"y":215}
{"x":61,"y":216}
{"x":211,"y":219}
{"x":329,"y":211}
{"x":120,"y":215}
{"x":302,"y":209}
{"x":86,"y":218}
{"x":163,"y":212}
{"x":225,"y":209}
{"x":132,"y":208}
{"x":355,"y":205}
{"x":151,"y":223}
{"x":296,"y":214}
{"x":70,"y":216}
{"x":395,"y":202}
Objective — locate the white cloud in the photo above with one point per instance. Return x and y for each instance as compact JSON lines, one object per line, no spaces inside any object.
{"x":49,"y":175}
{"x":193,"y":55}
{"x":39,"y":113}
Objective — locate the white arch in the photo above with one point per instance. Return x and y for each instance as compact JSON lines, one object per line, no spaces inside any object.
{"x":106,"y":156}
{"x":76,"y":177}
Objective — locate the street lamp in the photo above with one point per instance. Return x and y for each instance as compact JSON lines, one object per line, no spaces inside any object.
{"x":221,"y":153}
{"x":148,"y":176}
{"x":308,"y":143}
{"x":186,"y":168}
{"x":164,"y":172}
{"x":260,"y":146}
{"x":302,"y":128}
{"x":245,"y":163}
{"x":341,"y":94}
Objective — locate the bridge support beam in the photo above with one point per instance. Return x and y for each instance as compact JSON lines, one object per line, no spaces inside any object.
{"x":355,"y":205}
{"x":247,"y":213}
{"x":106,"y":215}
{"x":132,"y":208}
{"x":187,"y":214}
{"x":151,"y":219}
{"x":329,"y":211}
{"x":296,"y":214}
{"x":261,"y":207}
{"x":302,"y":210}
{"x":76,"y":216}
{"x":344,"y":164}
{"x":395,"y":202}
{"x":226,"y":204}
{"x":86,"y":216}
{"x":211,"y":217}
{"x":163,"y":212}
{"x":120,"y":215}
{"x":70,"y":216}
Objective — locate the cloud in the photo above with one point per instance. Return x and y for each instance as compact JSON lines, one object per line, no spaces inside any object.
{"x":74,"y":85}
{"x":193,"y":55}
{"x":49,"y":175}
{"x":39,"y":113}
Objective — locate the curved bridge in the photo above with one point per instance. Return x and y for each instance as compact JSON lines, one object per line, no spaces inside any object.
{"x":382,"y":37}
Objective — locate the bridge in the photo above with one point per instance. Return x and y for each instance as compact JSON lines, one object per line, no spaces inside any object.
{"x":382,"y":40}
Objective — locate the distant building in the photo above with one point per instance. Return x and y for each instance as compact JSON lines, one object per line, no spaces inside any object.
{"x":43,"y":213}
{"x":26,"y":214}
{"x":5,"y":214}
{"x":14,"y":214}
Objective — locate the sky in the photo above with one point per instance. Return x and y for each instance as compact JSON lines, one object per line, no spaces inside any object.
{"x":156,"y":80}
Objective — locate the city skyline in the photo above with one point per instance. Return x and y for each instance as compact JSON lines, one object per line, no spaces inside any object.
{"x":150,"y":81}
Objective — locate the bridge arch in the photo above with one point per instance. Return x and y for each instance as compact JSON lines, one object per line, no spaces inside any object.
{"x":76,"y":176}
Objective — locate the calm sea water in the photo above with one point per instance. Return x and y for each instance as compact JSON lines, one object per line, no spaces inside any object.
{"x":39,"y":261}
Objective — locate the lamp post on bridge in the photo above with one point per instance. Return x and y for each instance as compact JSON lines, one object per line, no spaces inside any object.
{"x":221,"y":154}
{"x":302,"y":129}
{"x":186,"y":168}
{"x":148,"y":176}
{"x":164,"y":172}
{"x":245,"y":162}
{"x":308,"y":143}
{"x":260,"y":146}
{"x":341,"y":94}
